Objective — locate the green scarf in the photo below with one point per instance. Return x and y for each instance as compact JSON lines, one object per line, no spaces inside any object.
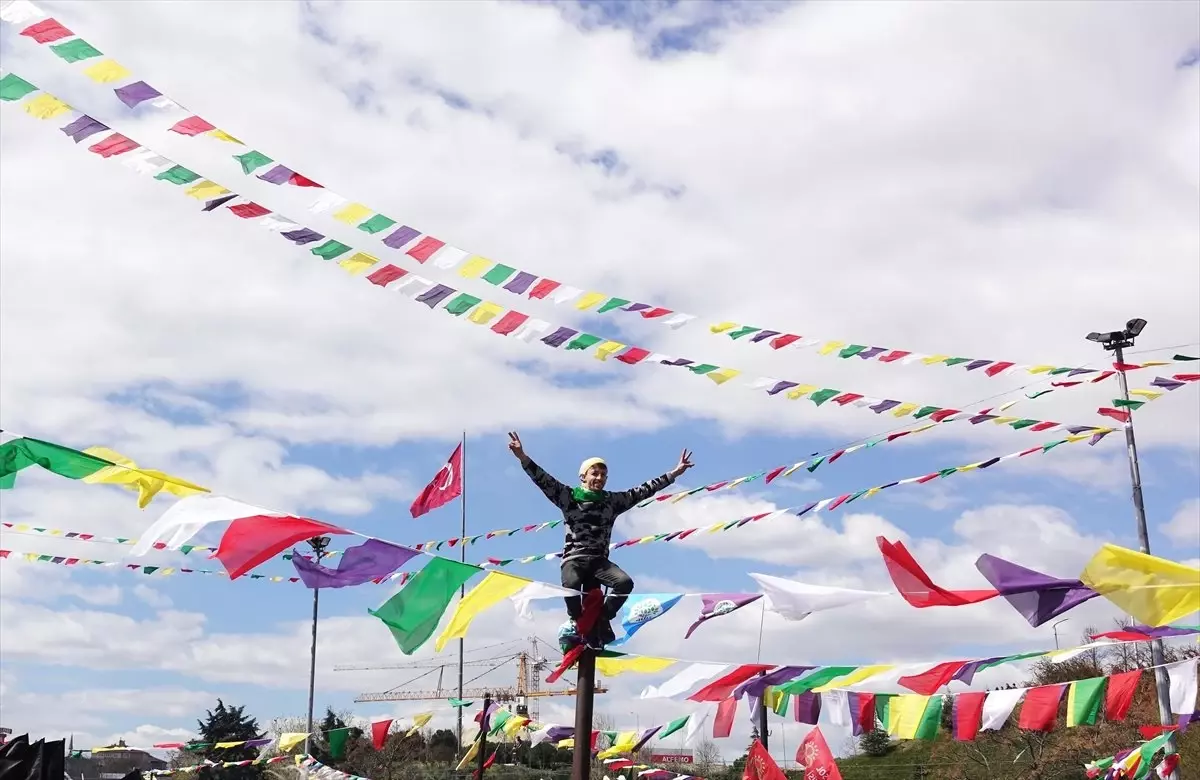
{"x":581,"y":493}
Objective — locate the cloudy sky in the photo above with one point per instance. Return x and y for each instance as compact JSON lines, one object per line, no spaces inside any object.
{"x":992,"y":180}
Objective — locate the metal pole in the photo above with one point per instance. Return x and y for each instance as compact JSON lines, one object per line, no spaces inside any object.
{"x":581,"y":764}
{"x":1135,"y":475}
{"x":462,"y":591}
{"x":484,"y":722}
{"x":318,"y":544}
{"x":760,"y":717}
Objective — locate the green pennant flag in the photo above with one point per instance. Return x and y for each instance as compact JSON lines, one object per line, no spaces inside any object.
{"x":498,"y":720}
{"x":851,"y":351}
{"x":811,"y":468}
{"x":1183,"y":358}
{"x":462,"y":304}
{"x":1121,"y":403}
{"x":925,"y":411}
{"x":612,"y":303}
{"x":330,"y":249}
{"x":252,"y":160}
{"x":1083,"y":701}
{"x":1038,"y":394}
{"x":75,"y":50}
{"x":337,"y":742}
{"x":931,"y":720}
{"x":781,"y":704}
{"x":883,"y":706}
{"x":460,"y":703}
{"x":583,"y":341}
{"x":13,"y":87}
{"x":22,"y":453}
{"x":673,"y":726}
{"x":821,"y":396}
{"x":745,"y":330}
{"x":955,"y":361}
{"x":499,"y":273}
{"x":177,"y":174}
{"x":414,"y":612}
{"x":816,"y":679}
{"x":703,"y":368}
{"x":1019,"y":424}
{"x":377,"y":223}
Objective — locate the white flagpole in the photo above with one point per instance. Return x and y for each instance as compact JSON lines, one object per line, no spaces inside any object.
{"x":462,"y":553}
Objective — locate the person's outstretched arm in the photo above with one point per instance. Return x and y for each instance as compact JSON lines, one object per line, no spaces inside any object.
{"x":627,"y":499}
{"x":558,"y":493}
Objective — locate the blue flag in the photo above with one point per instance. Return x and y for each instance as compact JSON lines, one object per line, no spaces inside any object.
{"x":641,"y":609}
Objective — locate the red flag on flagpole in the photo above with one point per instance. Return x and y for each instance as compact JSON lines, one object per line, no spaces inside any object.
{"x":814,"y":755}
{"x":379,"y":732}
{"x":445,"y":487}
{"x":760,"y":765}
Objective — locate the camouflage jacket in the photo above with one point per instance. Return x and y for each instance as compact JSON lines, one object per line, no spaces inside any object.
{"x":589,"y":524}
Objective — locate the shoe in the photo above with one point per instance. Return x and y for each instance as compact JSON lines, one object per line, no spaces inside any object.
{"x":568,"y":636}
{"x":602,"y":634}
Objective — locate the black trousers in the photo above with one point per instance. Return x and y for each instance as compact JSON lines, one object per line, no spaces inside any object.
{"x":586,"y":573}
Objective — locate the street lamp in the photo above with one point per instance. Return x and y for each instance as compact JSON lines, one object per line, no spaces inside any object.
{"x":1116,"y":341}
{"x":1055,"y":629}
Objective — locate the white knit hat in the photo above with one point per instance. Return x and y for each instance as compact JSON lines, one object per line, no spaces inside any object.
{"x":587,"y":464}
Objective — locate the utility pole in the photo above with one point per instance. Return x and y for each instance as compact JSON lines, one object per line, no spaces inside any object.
{"x":1116,"y":342}
{"x":462,"y":591}
{"x":760,"y":716}
{"x":585,"y":690}
{"x":318,"y":545}
{"x":484,"y":725}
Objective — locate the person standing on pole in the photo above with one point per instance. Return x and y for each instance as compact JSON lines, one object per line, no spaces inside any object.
{"x":589,"y":512}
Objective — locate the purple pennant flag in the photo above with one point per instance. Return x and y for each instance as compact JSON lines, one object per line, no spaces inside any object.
{"x":717,"y":604}
{"x":1162,"y":632}
{"x":435,"y":295}
{"x":646,"y":735}
{"x":1080,"y":371}
{"x":559,"y":337}
{"x":676,"y":362}
{"x":974,"y":364}
{"x":135,"y":93}
{"x":780,"y":387}
{"x":401,"y":236}
{"x":559,"y":733}
{"x":1166,"y":384}
{"x":1036,"y":596}
{"x":520,"y":283}
{"x":82,"y":127}
{"x":218,"y":202}
{"x":763,"y":335}
{"x":368,"y":561}
{"x":981,"y":418}
{"x":883,"y":406}
{"x":967,"y":673}
{"x":277,"y":175}
{"x":867,"y":354}
{"x":856,"y":726}
{"x":302,"y":236}
{"x":756,"y":686}
{"x":259,"y":742}
{"x":808,"y":707}
{"x":1075,"y":430}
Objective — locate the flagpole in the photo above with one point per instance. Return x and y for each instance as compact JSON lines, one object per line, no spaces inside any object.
{"x":318,"y":544}
{"x":462,"y":591}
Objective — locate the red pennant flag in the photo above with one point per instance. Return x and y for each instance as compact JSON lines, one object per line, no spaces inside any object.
{"x":248,"y":541}
{"x":445,"y":487}
{"x":1120,"y":415}
{"x":1169,"y":764}
{"x":760,"y":765}
{"x":1040,"y":708}
{"x":862,"y":708}
{"x":916,"y":587}
{"x":968,"y":714}
{"x":1148,"y":732}
{"x":1119,"y":696}
{"x":723,"y":722}
{"x":721,"y":688}
{"x":379,"y":732}
{"x":814,"y":755}
{"x":926,"y":683}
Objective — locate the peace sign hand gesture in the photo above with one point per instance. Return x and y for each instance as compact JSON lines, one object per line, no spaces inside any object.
{"x":685,"y":463}
{"x":514,"y":444}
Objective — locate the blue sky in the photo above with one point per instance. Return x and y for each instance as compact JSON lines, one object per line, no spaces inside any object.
{"x":803,"y":168}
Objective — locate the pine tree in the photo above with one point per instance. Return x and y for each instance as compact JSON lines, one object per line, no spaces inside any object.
{"x":230,"y":724}
{"x":320,"y":744}
{"x":875,"y":743}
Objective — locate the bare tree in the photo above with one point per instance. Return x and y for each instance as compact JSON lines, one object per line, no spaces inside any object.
{"x":706,"y":756}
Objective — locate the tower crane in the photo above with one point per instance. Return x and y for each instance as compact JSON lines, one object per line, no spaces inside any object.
{"x":526,"y":693}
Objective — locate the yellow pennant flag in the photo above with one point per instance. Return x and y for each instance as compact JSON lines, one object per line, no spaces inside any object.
{"x":904,"y":715}
{"x":624,"y":743}
{"x":494,"y":588}
{"x":903,"y":410}
{"x":289,"y":740}
{"x":358,"y":262}
{"x":147,"y":482}
{"x":611,"y":666}
{"x":205,"y":189}
{"x":352,"y":213}
{"x":46,"y":106}
{"x":469,"y":757}
{"x":225,"y":745}
{"x":515,"y":724}
{"x":485,"y":312}
{"x":588,"y":300}
{"x":419,"y":722}
{"x":475,"y":267}
{"x":607,"y":349}
{"x":1153,"y":590}
{"x":857,"y":676}
{"x":722,"y":375}
{"x":107,"y":71}
{"x":800,"y":391}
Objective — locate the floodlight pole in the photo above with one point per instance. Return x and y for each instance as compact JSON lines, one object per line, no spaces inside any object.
{"x":318,"y":544}
{"x":585,"y":694}
{"x":760,"y":715}
{"x":1116,"y":342}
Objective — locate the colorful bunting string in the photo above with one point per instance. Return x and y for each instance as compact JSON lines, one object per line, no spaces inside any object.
{"x":423,"y":248}
{"x":475,"y":310}
{"x":825,"y":504}
{"x":1122,"y":409}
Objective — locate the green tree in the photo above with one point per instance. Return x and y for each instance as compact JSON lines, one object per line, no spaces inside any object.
{"x":443,"y":746}
{"x":875,"y":743}
{"x":230,"y":724}
{"x":320,"y":746}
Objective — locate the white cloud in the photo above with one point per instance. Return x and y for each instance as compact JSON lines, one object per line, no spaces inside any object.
{"x":1184,"y":528}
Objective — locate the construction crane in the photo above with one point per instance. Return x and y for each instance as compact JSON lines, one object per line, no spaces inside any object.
{"x":527,"y":692}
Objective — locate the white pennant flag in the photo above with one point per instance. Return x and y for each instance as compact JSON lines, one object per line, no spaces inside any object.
{"x":188,"y":515}
{"x":697,"y":721}
{"x":797,"y":600}
{"x":1182,"y":678}
{"x":536,"y":590}
{"x":686,"y":681}
{"x":998,"y":707}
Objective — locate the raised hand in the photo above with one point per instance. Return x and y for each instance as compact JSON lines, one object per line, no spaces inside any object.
{"x":685,"y":463}
{"x":514,"y":444}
